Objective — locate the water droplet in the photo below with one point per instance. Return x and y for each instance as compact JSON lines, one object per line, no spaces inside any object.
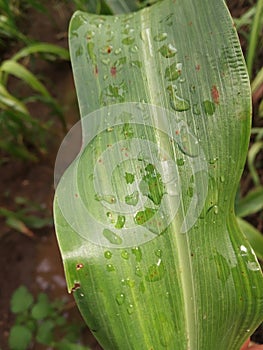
{"x":138,"y":253}
{"x":160,"y":37}
{"x":132,"y":199}
{"x":253,"y":266}
{"x":137,"y":64}
{"x":168,"y":51}
{"x":106,"y":198}
{"x":216,"y":209}
{"x":134,"y":49}
{"x":120,"y":298}
{"x":209,"y":107}
{"x":138,"y":271}
{"x":222,"y":178}
{"x":172,"y":72}
{"x":108,"y":254}
{"x":128,"y":282}
{"x":120,"y":221}
{"x":190,"y":191}
{"x":130,"y":309}
{"x":213,"y":160}
{"x":196,"y":109}
{"x":118,"y":51}
{"x":155,"y":272}
{"x":129,"y":178}
{"x":112,"y":237}
{"x":180,"y":162}
{"x":125,"y":255}
{"x":129,"y":40}
{"x":90,"y":34}
{"x":159,"y":253}
{"x":110,"y":267}
{"x":177,"y":103}
{"x":106,"y":61}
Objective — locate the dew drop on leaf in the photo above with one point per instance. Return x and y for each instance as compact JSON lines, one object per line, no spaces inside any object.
{"x":112,"y":237}
{"x":132,"y":199}
{"x":136,"y":251}
{"x":120,"y":221}
{"x":128,"y":40}
{"x":120,"y":298}
{"x":125,"y":254}
{"x":110,"y":267}
{"x":130,"y":309}
{"x":168,"y":51}
{"x":155,"y":272}
{"x":160,"y":37}
{"x":209,"y":107}
{"x":108,"y":254}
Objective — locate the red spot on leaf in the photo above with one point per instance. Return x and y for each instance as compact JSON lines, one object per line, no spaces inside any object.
{"x":109,"y":49}
{"x":215,"y":94}
{"x":197,"y":67}
{"x":113,"y":71}
{"x":96,"y":71}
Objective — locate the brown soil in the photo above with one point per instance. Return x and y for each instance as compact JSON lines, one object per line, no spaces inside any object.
{"x":35,"y":262}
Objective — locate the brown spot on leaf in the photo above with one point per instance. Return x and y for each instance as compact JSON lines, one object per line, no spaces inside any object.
{"x":76,"y":286}
{"x":79,"y":266}
{"x":197,"y":67}
{"x":215,"y":94}
{"x":113,"y":71}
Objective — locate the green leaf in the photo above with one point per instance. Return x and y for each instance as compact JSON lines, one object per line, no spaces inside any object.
{"x":19,"y":71}
{"x":21,"y":300}
{"x":251,"y":203}
{"x":19,"y":338}
{"x":254,"y":237}
{"x":45,"y":48}
{"x":174,"y":275}
{"x":45,"y":332}
{"x":41,"y":309}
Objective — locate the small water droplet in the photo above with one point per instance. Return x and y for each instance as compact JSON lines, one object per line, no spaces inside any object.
{"x":134,"y":49}
{"x":132,"y":199}
{"x":213,"y":160}
{"x":196,"y":109}
{"x":180,"y":162}
{"x":118,"y":51}
{"x":159,"y":253}
{"x":112,"y":237}
{"x":253,"y":266}
{"x":106,"y":61}
{"x":160,"y":37}
{"x":136,"y":251}
{"x":129,"y":40}
{"x":120,"y":221}
{"x":168,"y":51}
{"x":216,"y":209}
{"x":138,"y":271}
{"x":172,"y":72}
{"x":209,"y":107}
{"x":110,"y":267}
{"x":125,"y":255}
{"x":120,"y":298}
{"x":130,"y":309}
{"x":222,"y":178}
{"x":108,"y":254}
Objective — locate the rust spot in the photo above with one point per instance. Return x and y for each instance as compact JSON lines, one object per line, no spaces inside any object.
{"x":109,"y":49}
{"x":215,"y":94}
{"x":79,"y":266}
{"x":76,"y":195}
{"x":197,"y":67}
{"x":96,"y":71}
{"x":76,"y":286}
{"x":190,"y":23}
{"x":177,"y":132}
{"x":113,"y":71}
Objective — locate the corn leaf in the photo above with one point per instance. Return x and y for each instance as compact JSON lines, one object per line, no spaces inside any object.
{"x":145,"y":214}
{"x":45,"y":48}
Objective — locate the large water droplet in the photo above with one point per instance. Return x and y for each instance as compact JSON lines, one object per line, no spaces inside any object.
{"x":138,"y":271}
{"x":168,"y":51}
{"x":118,"y":51}
{"x":143,"y":216}
{"x":112,"y":237}
{"x":160,"y":37}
